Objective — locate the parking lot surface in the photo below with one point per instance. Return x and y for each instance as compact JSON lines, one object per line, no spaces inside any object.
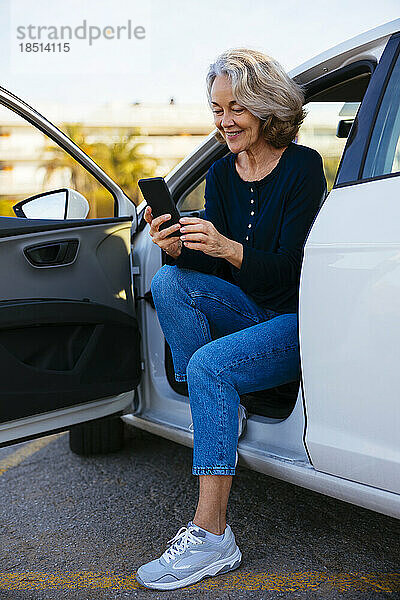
{"x":74,"y":527}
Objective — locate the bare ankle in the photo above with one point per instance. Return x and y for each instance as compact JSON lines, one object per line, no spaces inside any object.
{"x":215,"y":528}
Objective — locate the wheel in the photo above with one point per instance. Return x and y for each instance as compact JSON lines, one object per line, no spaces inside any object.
{"x":100,"y":436}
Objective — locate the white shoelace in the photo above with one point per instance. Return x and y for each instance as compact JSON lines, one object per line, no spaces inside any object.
{"x":180,"y":542}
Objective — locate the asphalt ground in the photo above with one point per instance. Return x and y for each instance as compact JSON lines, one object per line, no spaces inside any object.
{"x":78,"y":528}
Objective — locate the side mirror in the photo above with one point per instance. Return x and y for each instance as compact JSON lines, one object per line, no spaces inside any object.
{"x":58,"y":204}
{"x":343,"y":128}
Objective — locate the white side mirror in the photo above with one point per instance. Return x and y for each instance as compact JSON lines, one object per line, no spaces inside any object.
{"x":59,"y":204}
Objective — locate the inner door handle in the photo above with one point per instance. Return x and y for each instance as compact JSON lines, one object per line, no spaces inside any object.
{"x":52,"y":254}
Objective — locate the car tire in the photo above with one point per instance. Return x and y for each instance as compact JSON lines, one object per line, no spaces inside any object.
{"x":100,"y":436}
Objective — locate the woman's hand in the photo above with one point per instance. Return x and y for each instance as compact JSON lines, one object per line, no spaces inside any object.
{"x":171,"y":245}
{"x":200,"y":234}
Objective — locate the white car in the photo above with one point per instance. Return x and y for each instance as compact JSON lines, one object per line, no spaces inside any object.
{"x":80,"y":342}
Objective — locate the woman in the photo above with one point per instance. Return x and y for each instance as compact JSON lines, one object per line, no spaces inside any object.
{"x":227,"y":300}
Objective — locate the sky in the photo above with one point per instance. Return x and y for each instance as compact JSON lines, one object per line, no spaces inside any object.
{"x":175,"y":43}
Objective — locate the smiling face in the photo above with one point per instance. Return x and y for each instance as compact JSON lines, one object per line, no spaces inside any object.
{"x":239,"y":127}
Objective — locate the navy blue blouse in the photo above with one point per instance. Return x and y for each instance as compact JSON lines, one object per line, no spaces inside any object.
{"x":271,"y":217}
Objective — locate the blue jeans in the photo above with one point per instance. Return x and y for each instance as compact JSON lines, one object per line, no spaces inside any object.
{"x":223,"y":344}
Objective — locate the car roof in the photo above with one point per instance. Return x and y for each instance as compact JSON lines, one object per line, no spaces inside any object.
{"x":367,"y":45}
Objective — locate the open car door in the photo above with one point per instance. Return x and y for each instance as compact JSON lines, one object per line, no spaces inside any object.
{"x":69,"y":337}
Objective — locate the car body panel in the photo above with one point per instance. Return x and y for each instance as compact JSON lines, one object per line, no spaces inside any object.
{"x":349,"y":316}
{"x":349,"y":310}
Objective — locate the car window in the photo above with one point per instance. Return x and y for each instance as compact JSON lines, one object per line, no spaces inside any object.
{"x":383,"y":156}
{"x":194,"y":200}
{"x":319,"y":129}
{"x":31,"y":163}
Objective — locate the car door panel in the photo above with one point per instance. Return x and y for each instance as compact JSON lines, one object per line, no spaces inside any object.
{"x":349,"y":313}
{"x":68,"y":330}
{"x":350,"y":294}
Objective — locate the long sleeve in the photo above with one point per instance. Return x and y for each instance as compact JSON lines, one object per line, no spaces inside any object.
{"x":196,"y":259}
{"x":262,"y":271}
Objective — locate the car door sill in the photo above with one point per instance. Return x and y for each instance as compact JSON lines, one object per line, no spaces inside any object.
{"x":183,"y":436}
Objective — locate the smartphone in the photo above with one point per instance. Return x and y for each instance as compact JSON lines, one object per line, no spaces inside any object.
{"x":157,"y":195}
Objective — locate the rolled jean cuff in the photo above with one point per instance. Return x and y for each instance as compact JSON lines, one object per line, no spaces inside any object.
{"x":213,"y":470}
{"x":180,"y":377}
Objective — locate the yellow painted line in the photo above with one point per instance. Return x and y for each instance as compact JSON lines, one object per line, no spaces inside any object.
{"x":16,"y":458}
{"x":240,"y":580}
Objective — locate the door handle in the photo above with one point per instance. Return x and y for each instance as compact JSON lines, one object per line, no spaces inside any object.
{"x":52,"y":254}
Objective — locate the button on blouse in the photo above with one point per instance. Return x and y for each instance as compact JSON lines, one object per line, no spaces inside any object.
{"x":271,"y":217}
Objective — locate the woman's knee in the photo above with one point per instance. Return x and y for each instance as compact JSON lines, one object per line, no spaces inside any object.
{"x":202,"y":364}
{"x":171,"y":280}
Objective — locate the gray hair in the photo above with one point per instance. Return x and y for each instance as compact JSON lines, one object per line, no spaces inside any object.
{"x":260,"y":84}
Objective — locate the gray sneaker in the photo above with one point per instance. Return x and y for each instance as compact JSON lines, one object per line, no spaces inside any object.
{"x":241,"y":427}
{"x":190,"y":558}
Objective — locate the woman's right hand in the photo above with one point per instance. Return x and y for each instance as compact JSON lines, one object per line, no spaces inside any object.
{"x":171,"y":245}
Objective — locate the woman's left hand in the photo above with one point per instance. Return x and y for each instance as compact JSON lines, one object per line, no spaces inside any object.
{"x":200,"y":234}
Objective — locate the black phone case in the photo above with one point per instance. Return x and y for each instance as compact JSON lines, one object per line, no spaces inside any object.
{"x":157,"y":195}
